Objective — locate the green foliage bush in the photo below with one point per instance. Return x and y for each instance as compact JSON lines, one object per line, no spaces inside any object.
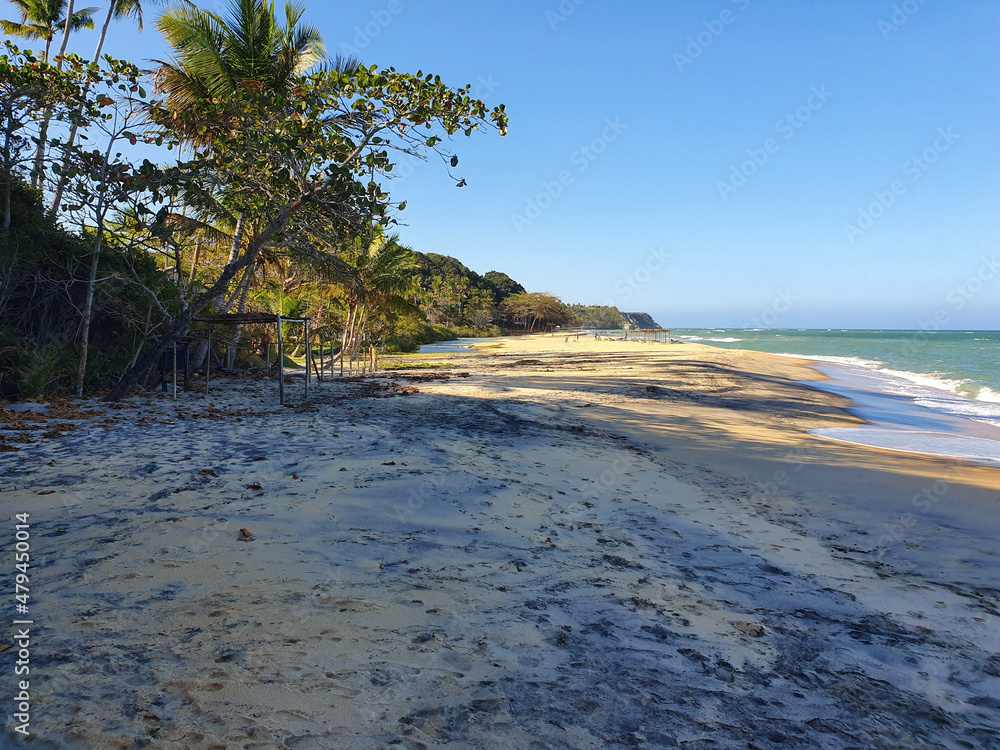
{"x":43,"y":272}
{"x":601,"y":317}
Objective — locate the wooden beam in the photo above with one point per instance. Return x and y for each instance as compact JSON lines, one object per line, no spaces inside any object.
{"x":281,"y":365}
{"x":208,"y":360}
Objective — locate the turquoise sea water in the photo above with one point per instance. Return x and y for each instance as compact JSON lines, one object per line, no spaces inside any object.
{"x":966,"y":363}
{"x":455,"y":346}
{"x":934,"y":392}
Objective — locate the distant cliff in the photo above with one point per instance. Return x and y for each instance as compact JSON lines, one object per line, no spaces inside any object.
{"x":638,"y":321}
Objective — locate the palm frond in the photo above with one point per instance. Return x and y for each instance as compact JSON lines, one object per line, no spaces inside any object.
{"x":24,"y":30}
{"x":198,"y":39}
{"x":344,"y":64}
{"x":245,"y":49}
{"x":83,"y":19}
{"x":327,"y":266}
{"x":206,"y":230}
{"x":128,"y":9}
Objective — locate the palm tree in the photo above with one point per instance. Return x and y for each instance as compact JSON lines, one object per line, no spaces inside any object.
{"x":381,"y":281}
{"x":41,"y":19}
{"x":117,"y":9}
{"x":215,"y":57}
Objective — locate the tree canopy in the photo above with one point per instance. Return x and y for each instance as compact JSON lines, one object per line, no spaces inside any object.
{"x":248,"y":172}
{"x":280,"y":187}
{"x":530,"y":310}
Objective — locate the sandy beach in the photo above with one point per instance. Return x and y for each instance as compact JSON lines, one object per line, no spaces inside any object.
{"x":546,"y":544}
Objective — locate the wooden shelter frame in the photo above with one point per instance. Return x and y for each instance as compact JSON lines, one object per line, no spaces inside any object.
{"x":258,"y":318}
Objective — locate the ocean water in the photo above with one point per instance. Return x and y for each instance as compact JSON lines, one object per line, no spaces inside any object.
{"x":454,"y":346}
{"x":933,"y":392}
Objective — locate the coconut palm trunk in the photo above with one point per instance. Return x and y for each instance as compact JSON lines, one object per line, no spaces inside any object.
{"x":41,"y":19}
{"x":244,"y":293}
{"x":359,"y":330}
{"x":71,"y":139}
{"x":223,"y":305}
{"x":38,"y":171}
{"x":345,"y":341}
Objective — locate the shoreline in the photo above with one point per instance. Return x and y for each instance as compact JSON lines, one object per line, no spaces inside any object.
{"x":951,"y":366}
{"x":900,"y":422}
{"x":890,"y":419}
{"x":595,"y":544}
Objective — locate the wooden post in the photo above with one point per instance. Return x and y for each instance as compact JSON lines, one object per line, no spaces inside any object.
{"x":308,"y":357}
{"x":208,"y":360}
{"x":281,"y":367}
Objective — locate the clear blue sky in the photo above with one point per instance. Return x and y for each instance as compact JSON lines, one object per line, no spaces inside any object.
{"x":834,"y":99}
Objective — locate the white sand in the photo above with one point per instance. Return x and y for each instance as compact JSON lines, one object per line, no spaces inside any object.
{"x":541,"y":555}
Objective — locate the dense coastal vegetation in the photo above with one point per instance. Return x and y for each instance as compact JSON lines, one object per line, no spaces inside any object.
{"x":269,"y":192}
{"x":455,"y":301}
